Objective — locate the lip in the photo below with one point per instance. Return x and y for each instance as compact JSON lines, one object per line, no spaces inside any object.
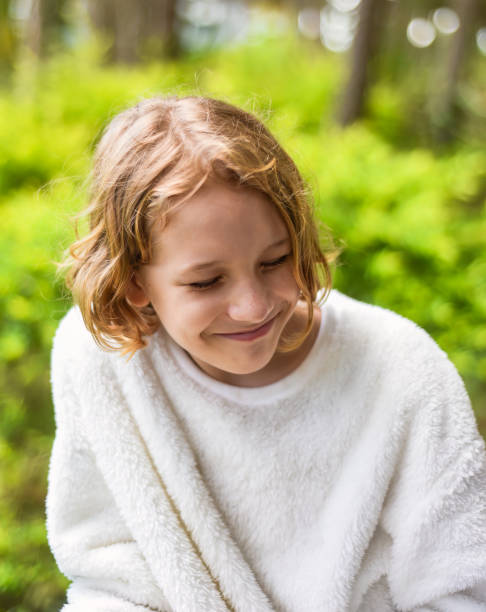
{"x":252,"y":334}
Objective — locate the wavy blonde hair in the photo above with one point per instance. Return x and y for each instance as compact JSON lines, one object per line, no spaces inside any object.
{"x":154,"y":156}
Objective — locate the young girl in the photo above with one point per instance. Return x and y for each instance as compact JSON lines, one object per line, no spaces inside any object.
{"x":263,"y":448}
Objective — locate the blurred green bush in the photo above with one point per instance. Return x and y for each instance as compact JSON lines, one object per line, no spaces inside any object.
{"x":412,"y":221}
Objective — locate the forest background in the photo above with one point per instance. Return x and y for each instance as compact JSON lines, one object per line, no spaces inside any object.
{"x":382,"y":104}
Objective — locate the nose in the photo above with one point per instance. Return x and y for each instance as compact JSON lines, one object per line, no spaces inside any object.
{"x":249,"y":303}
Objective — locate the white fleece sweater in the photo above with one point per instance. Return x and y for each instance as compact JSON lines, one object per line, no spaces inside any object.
{"x":357,"y":483}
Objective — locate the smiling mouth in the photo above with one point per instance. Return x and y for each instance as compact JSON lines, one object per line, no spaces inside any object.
{"x":250,"y":334}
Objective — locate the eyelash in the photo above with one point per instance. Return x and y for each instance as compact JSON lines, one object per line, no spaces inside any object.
{"x":210,"y":283}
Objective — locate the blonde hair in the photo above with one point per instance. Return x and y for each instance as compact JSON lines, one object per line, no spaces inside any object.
{"x":154,"y":156}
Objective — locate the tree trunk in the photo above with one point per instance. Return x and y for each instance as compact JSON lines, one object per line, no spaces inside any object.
{"x":172,"y":47}
{"x":136,"y":29}
{"x":8,"y":37}
{"x":120,"y":22}
{"x":44,"y":25}
{"x":102,"y":15}
{"x":128,"y":29}
{"x":35,"y":28}
{"x":363,"y":49}
{"x":447,"y":109}
{"x":160,"y":28}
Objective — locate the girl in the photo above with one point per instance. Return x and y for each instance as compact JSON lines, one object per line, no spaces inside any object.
{"x":263,"y":448}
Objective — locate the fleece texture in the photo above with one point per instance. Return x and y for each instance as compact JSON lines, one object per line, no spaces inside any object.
{"x":357,"y":483}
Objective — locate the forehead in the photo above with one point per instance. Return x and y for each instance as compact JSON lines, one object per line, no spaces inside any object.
{"x":220,"y":217}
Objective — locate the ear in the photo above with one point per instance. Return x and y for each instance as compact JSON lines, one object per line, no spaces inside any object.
{"x":136,"y":294}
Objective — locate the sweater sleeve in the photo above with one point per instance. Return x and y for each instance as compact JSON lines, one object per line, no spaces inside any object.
{"x":435,"y":511}
{"x":88,"y":537}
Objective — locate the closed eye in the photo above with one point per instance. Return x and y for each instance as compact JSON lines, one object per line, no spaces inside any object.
{"x":200,"y":285}
{"x":205,"y":284}
{"x":276,"y":262}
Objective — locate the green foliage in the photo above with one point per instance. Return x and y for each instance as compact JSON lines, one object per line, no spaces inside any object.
{"x":415,"y":226}
{"x":413,"y":223}
{"x":31,"y":303}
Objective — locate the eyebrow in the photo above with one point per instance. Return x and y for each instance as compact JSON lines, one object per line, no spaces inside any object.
{"x":209,"y":264}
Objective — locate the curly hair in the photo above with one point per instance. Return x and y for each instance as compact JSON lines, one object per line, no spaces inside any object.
{"x":155,"y":156}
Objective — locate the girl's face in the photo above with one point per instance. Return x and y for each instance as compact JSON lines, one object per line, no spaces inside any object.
{"x":221,"y":280}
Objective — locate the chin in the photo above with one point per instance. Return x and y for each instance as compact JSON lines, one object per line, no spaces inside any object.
{"x":242,"y":371}
{"x":250,"y":367}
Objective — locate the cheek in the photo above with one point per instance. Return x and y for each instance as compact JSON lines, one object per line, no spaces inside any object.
{"x":184,"y":314}
{"x":286,"y":283}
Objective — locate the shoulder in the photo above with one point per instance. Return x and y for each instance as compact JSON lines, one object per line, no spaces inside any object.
{"x":72,"y":339}
{"x":375,"y":321}
{"x":77,"y":357}
{"x":389,"y":344}
{"x":374,"y":326}
{"x":70,"y":331}
{"x":75,"y":354}
{"x":402,"y":372}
